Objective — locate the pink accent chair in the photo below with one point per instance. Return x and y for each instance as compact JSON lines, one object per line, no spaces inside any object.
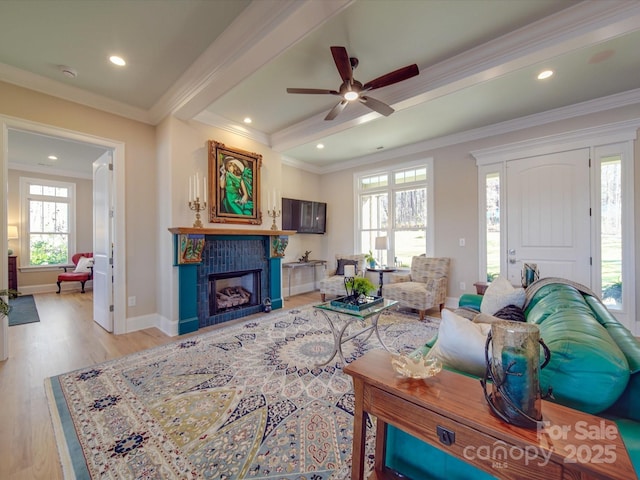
{"x":76,"y":275}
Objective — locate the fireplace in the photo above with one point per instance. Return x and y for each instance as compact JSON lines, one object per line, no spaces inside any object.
{"x":204,"y":255}
{"x":234,"y":290}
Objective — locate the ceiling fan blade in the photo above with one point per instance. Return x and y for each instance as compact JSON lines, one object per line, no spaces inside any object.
{"x":312,"y":91}
{"x":393,"y":77}
{"x":377,"y":106}
{"x":341,"y":57}
{"x":336,"y":110}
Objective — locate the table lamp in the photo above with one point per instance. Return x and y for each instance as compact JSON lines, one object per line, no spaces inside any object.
{"x":382,"y":243}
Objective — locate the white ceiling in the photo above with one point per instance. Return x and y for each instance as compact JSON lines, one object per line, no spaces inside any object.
{"x":218,"y":61}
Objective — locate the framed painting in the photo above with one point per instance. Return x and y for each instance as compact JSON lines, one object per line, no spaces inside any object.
{"x":234,"y":183}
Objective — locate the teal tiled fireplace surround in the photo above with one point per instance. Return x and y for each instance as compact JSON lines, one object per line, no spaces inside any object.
{"x":226,"y":251}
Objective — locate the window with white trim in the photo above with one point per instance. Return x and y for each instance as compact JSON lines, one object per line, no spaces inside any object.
{"x":395,"y":203}
{"x":48,"y":222}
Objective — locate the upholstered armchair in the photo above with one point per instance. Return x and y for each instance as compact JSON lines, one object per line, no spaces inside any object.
{"x":333,"y":283}
{"x":424,"y":287}
{"x":82,"y":272}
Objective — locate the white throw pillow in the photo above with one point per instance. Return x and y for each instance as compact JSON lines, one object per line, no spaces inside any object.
{"x":499,"y":294}
{"x":461,"y":343}
{"x":83,"y":265}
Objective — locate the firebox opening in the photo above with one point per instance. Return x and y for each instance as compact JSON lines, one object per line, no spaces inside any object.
{"x":234,"y":290}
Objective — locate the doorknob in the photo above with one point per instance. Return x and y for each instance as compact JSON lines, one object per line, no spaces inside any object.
{"x":512,"y":251}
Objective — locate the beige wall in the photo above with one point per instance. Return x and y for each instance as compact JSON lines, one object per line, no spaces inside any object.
{"x":158,"y":167}
{"x":140,"y":174}
{"x":84,"y":222}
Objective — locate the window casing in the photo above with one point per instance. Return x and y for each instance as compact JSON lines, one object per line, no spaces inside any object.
{"x":396,"y":203}
{"x":47,"y":222}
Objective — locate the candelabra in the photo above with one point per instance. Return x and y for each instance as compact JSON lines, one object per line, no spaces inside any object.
{"x":274,"y":214}
{"x":197,"y":207}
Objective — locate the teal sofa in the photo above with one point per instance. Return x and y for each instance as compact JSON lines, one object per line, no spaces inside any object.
{"x":594,"y":367}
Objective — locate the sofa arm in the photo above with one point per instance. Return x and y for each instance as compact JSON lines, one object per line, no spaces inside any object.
{"x":470,"y":300}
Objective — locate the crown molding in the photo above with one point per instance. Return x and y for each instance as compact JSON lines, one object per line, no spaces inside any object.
{"x":213,"y":120}
{"x":292,"y":162}
{"x":593,"y":136}
{"x":45,"y":85}
{"x":49,"y":170}
{"x":611,"y":102}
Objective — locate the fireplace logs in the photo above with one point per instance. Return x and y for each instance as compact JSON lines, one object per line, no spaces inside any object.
{"x":232,"y":297}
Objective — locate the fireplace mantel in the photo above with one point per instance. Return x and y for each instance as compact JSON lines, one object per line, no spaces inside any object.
{"x":229,"y":231}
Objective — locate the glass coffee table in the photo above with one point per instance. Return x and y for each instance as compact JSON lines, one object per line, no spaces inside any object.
{"x":340,"y":319}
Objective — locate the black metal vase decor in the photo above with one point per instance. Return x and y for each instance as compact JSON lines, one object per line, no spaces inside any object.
{"x":512,"y":355}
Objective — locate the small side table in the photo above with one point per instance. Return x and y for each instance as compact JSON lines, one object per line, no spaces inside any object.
{"x":381,"y":271}
{"x":481,"y":287}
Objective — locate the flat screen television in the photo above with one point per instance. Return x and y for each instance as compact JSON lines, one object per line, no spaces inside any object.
{"x":304,"y":216}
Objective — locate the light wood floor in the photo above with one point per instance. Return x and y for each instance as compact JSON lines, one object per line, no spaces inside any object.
{"x":66,"y":338}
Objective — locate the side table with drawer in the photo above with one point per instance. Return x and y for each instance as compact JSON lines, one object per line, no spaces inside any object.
{"x":13,"y":272}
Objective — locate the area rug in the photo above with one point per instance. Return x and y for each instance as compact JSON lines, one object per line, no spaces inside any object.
{"x":244,"y":401}
{"x":23,"y":310}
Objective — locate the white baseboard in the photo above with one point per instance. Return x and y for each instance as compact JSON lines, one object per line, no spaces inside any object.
{"x":166,"y":326}
{"x":52,"y":288}
{"x":298,"y":289}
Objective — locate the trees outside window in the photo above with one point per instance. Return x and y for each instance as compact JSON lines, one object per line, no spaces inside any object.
{"x":395,"y":204}
{"x":48,"y":210}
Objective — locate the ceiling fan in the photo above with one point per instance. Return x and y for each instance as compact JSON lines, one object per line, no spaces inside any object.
{"x":352,"y":90}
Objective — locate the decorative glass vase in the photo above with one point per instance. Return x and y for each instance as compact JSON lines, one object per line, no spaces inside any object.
{"x":512,"y":354}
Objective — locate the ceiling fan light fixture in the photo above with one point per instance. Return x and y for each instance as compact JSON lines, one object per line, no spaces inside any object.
{"x":351,"y":95}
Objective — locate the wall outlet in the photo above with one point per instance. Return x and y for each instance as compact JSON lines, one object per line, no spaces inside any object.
{"x":463,"y":286}
{"x":462,"y":242}
{"x":131,"y":301}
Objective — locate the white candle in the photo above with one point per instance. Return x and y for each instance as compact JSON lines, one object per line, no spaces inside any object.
{"x":190,"y":190}
{"x":204,"y":188}
{"x":197,"y":185}
{"x":349,"y":271}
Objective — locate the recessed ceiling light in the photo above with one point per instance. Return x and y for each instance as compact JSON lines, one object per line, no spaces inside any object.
{"x":545,"y":74}
{"x":52,"y":157}
{"x":116,"y":60}
{"x":320,"y":146}
{"x":247,"y":120}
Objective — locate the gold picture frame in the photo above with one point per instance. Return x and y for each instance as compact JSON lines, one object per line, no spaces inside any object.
{"x":234,"y":183}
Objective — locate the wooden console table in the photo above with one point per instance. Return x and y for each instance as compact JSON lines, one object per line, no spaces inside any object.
{"x":449,"y":411}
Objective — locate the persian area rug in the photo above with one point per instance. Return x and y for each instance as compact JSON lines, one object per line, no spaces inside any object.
{"x":23,"y":310}
{"x":244,"y":401}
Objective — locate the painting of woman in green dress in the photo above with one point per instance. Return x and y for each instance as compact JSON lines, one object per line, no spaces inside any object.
{"x":234,"y":179}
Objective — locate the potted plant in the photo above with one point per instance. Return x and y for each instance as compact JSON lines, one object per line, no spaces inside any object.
{"x":4,"y":306}
{"x":370,"y":259}
{"x":360,"y":286}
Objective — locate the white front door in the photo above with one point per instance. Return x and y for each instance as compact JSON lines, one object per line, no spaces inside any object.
{"x":549,"y":220}
{"x":102,"y":241}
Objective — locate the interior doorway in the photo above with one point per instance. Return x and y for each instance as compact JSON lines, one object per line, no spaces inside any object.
{"x":117,"y":259}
